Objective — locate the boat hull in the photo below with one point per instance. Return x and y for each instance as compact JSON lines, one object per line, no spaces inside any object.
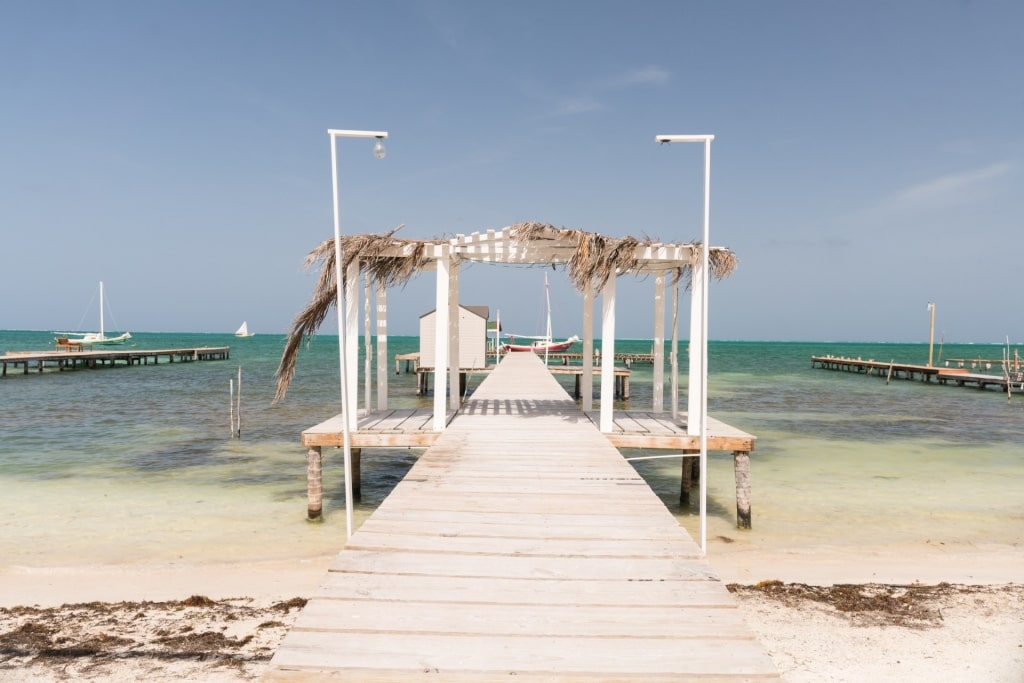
{"x":539,"y":347}
{"x":94,"y":339}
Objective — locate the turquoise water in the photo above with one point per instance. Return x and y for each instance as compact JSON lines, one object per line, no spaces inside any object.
{"x":137,"y":465}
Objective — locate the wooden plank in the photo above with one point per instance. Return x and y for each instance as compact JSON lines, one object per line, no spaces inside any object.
{"x":521,"y":544}
{"x":513,"y":620}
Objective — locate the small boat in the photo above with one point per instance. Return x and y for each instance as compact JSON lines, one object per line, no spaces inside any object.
{"x":94,"y":338}
{"x":243,"y":331}
{"x":540,"y":345}
{"x":545,"y":344}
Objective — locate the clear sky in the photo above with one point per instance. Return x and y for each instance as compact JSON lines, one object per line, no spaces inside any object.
{"x":867,"y":159}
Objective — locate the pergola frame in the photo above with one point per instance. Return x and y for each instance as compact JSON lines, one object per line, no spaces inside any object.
{"x":544,"y":246}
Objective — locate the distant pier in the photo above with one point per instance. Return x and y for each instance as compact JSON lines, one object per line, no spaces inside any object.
{"x":73,"y":359}
{"x":960,"y":376}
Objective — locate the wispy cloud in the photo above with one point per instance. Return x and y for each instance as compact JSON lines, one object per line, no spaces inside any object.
{"x":593,"y":95}
{"x":945,"y":191}
{"x":647,"y":75}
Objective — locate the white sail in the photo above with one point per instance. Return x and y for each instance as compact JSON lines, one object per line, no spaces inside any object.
{"x":243,"y":331}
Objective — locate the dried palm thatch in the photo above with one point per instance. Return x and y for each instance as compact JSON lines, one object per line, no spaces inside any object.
{"x":393,"y":261}
{"x":595,"y":257}
{"x":387,"y":259}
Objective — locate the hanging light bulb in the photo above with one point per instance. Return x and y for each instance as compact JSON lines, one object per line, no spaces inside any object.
{"x":379,"y":150}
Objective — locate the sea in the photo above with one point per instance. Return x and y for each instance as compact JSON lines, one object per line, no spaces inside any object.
{"x":140,"y":466}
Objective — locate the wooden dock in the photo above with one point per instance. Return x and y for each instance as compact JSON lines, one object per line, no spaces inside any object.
{"x":521,"y":546}
{"x":73,"y":359}
{"x":959,"y":376}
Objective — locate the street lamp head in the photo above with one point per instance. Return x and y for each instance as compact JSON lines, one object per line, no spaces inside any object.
{"x":379,"y":150}
{"x":663,"y":139}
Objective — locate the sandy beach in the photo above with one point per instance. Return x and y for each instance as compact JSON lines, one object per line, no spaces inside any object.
{"x":824,"y":616}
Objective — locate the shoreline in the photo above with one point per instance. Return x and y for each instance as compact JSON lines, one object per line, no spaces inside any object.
{"x":835,"y":614}
{"x":983,"y":564}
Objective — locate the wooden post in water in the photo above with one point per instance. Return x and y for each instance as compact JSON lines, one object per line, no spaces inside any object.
{"x":314,"y":484}
{"x":686,"y":479}
{"x":357,"y":473}
{"x":238,"y":405}
{"x":741,"y":467}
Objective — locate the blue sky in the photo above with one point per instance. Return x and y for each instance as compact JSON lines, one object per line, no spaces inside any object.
{"x":867,"y":159}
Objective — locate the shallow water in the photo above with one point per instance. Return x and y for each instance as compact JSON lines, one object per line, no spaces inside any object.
{"x":136,"y":465}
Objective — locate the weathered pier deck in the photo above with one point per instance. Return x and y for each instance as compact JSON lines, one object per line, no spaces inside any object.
{"x":959,"y":376}
{"x":413,"y":428}
{"x":70,"y":360}
{"x":521,"y":546}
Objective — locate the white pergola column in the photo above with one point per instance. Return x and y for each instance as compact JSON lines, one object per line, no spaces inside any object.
{"x":441,"y":313}
{"x":607,"y":354}
{"x":352,"y":343}
{"x":587,"y":378}
{"x":658,"y":390}
{"x":454,"y":316}
{"x":674,"y":360}
{"x":382,"y":347}
{"x":367,"y":346}
{"x":695,"y":389}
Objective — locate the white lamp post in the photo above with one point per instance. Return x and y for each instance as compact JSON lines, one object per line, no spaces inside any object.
{"x":703,"y":388}
{"x":346,"y":395}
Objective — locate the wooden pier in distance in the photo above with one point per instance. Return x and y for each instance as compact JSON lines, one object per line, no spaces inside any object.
{"x":521,"y":546}
{"x":66,"y":359}
{"x":960,"y":376}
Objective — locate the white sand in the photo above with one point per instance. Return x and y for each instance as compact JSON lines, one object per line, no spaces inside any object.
{"x":980,"y":636}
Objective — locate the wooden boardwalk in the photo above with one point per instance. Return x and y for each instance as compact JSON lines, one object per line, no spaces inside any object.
{"x":107,"y":357}
{"x":961,"y":377}
{"x":521,"y":546}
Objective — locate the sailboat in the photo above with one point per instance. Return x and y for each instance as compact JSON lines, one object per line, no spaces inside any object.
{"x":546,"y":343}
{"x":243,"y":331}
{"x":94,"y":338}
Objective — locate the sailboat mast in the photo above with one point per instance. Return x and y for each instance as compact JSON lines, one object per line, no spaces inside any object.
{"x":547,"y":297}
{"x":101,"y":309}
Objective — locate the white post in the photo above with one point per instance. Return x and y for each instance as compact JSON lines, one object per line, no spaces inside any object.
{"x":698,"y":376}
{"x":340,"y":307}
{"x":238,"y":405}
{"x":695,"y":347}
{"x":674,"y":365}
{"x":608,"y":354}
{"x":441,"y":343}
{"x":658,"y":379}
{"x":352,"y":341}
{"x":587,"y":379}
{"x":382,"y":347}
{"x":367,"y":347}
{"x":705,"y":266}
{"x":454,"y":320}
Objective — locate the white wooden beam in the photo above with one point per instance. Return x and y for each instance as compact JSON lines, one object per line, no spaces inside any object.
{"x":367,"y":345}
{"x":697,"y":345}
{"x":441,"y":314}
{"x":608,"y":354}
{"x":382,"y":347}
{"x":674,"y":360}
{"x":454,"y":319}
{"x":587,"y":379}
{"x":658,"y":378}
{"x":352,"y":342}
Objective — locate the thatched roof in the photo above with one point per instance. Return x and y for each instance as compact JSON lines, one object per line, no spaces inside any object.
{"x":588,"y":257}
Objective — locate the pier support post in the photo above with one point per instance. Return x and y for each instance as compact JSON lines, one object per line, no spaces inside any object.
{"x":741,"y":466}
{"x":357,"y":473}
{"x":686,"y":478}
{"x":314,"y":484}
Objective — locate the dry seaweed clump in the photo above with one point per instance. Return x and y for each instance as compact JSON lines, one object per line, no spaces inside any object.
{"x":85,"y":640}
{"x":872,"y":604}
